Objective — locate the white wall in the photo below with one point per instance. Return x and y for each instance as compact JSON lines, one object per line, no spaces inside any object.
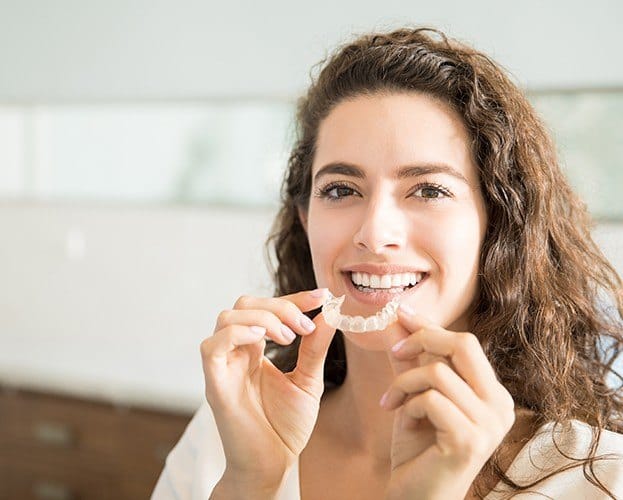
{"x":129,"y":49}
{"x":114,"y":301}
{"x":98,"y":299}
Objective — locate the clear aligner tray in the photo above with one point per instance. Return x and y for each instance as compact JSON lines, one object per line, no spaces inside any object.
{"x":358,"y":324}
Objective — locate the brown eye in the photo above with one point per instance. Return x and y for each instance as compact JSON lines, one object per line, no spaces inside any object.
{"x":339,"y":192}
{"x":335,"y":192}
{"x":429,"y":192}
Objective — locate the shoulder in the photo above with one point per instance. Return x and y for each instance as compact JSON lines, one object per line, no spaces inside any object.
{"x":554,"y":447}
{"x":575,"y":437}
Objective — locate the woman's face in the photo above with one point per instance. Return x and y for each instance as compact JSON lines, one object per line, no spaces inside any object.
{"x":395,"y":192}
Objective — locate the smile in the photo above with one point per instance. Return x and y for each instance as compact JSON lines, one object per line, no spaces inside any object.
{"x":380,"y":289}
{"x":396,"y":282}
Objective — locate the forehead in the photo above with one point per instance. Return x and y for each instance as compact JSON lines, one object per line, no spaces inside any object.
{"x":383,"y":132}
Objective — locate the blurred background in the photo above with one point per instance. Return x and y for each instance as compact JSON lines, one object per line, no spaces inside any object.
{"x":142,"y":145}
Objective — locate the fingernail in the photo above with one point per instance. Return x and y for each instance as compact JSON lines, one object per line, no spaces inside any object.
{"x":258,"y":330}
{"x":408,"y":310}
{"x":384,"y":399}
{"x":307,"y":324}
{"x":287,"y":333}
{"x":319,"y":292}
{"x":396,"y":347}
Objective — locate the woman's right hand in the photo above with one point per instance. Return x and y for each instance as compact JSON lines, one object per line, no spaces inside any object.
{"x":265,"y":417}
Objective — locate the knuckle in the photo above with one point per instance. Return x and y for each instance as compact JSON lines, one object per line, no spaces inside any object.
{"x":463,"y":442}
{"x":226,"y":331}
{"x":438,"y":371}
{"x":468,"y":341}
{"x":419,"y":334}
{"x":430,"y":397}
{"x":223,"y":317}
{"x":414,"y":408}
{"x":400,"y":381}
{"x":205,"y":347}
{"x":242,"y":302}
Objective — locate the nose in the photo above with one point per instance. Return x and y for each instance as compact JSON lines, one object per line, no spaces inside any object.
{"x":383,"y":227}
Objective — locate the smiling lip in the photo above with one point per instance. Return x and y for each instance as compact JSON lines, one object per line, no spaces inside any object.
{"x":378,"y":299}
{"x":381,"y":269}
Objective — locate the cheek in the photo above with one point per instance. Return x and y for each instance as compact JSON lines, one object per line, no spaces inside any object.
{"x":326,"y":236}
{"x":455,"y":242}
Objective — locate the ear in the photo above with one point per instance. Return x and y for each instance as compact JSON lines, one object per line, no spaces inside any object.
{"x":303,"y":217}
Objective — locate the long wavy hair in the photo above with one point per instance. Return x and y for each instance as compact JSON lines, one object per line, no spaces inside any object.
{"x":549,"y":307}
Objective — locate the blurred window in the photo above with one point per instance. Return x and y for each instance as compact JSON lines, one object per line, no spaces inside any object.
{"x":234,"y":153}
{"x":163,"y":153}
{"x":587,"y":127}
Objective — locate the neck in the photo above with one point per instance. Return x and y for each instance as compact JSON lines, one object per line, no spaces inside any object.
{"x":354,"y":416}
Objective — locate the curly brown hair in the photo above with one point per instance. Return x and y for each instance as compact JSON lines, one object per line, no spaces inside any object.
{"x":549,"y":307}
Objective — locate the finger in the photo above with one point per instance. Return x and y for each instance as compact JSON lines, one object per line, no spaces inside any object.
{"x":413,"y":320}
{"x":289,"y":308}
{"x":417,"y":322}
{"x":228,"y":339}
{"x":275,"y":329}
{"x":442,"y":378}
{"x":309,"y":371}
{"x":462,"y":348}
{"x":452,"y":426}
{"x":456,"y":436}
{"x":307,"y":300}
{"x":399,"y":332}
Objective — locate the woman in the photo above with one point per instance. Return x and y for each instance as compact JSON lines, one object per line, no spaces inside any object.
{"x":421,"y":174}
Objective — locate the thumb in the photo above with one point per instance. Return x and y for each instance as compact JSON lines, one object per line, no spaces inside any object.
{"x":313,"y":350}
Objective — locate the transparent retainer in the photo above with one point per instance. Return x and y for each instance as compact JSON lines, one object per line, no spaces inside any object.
{"x":358,"y":324}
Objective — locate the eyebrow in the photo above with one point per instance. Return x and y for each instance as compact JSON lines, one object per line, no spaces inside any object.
{"x":403,"y":172}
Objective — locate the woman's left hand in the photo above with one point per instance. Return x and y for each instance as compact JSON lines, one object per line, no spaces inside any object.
{"x":451,"y":411}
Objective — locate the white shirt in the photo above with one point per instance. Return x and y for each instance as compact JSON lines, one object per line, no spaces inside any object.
{"x":197,"y":463}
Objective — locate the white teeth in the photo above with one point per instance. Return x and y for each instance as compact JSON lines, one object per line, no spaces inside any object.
{"x":386,"y":280}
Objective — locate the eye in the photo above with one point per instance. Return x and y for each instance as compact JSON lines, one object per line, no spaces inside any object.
{"x":429,"y":192}
{"x":334,"y":191}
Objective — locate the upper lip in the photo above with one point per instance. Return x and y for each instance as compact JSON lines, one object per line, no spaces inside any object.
{"x":381,"y":269}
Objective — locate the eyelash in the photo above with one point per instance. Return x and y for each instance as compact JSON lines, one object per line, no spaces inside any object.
{"x":323,"y":192}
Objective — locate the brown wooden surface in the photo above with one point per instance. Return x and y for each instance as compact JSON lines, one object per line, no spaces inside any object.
{"x":58,"y":447}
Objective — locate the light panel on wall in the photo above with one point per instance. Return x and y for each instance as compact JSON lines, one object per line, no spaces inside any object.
{"x":234,"y":153}
{"x":163,"y":153}
{"x":13,"y":154}
{"x":588,"y":130}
